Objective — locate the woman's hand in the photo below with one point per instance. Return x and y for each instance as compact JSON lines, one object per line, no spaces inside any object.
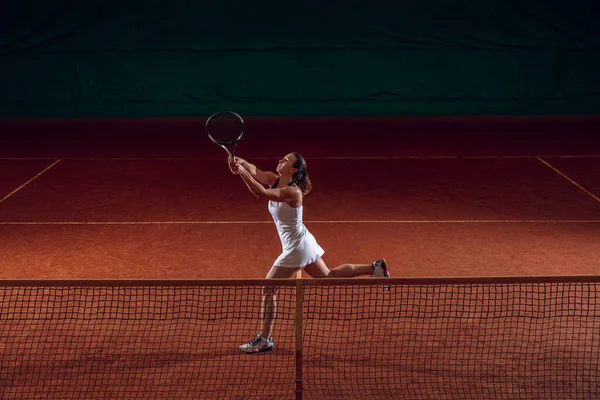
{"x":235,"y":166}
{"x":231,"y":162}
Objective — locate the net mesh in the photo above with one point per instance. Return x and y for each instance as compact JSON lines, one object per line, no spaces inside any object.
{"x":140,"y":343}
{"x":225,"y":127}
{"x":492,"y":341}
{"x":448,"y":340}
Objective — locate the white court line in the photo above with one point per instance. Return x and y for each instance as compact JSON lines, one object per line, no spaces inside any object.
{"x":308,"y":158}
{"x":476,"y":221}
{"x":29,"y":181}
{"x":569,"y":179}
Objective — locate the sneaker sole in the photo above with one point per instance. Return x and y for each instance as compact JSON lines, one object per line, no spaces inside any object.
{"x":258,"y":350}
{"x":386,"y":272}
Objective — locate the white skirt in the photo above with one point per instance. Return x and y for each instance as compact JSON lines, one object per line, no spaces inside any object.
{"x":303,"y":253}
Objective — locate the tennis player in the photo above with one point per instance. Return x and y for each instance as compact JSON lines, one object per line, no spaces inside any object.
{"x":285,"y":191}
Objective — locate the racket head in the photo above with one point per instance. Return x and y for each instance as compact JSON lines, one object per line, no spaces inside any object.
{"x":225,"y":128}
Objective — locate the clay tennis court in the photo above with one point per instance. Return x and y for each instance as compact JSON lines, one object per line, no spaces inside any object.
{"x":154,"y":200}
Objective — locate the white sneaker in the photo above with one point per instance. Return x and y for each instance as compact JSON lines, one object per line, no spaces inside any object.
{"x":380,"y":269}
{"x":258,"y":344}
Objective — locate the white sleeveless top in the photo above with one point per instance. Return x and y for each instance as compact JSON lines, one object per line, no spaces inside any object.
{"x":298,"y":245}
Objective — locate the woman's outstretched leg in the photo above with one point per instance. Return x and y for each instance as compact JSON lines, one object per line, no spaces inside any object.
{"x":319,"y":269}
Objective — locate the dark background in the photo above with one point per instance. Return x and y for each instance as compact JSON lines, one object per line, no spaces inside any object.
{"x":65,"y":58}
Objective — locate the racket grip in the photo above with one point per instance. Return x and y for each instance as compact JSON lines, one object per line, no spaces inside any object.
{"x":229,"y":155}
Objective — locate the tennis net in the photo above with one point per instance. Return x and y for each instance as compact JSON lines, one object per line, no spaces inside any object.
{"x":427,"y":338}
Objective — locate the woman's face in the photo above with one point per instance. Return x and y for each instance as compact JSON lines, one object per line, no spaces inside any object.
{"x":286,"y":165}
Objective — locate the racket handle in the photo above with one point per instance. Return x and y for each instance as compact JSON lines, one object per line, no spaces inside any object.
{"x":228,"y":152}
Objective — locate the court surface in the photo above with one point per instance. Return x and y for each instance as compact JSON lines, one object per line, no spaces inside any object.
{"x":155,"y":199}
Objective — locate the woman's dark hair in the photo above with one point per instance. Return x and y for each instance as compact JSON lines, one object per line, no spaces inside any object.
{"x":300,"y":178}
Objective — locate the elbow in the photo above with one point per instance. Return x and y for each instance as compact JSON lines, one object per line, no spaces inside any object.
{"x":259,"y":192}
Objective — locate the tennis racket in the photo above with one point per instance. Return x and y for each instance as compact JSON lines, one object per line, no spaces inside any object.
{"x":226,"y":129}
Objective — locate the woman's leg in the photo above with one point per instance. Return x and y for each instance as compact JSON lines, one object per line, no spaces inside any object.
{"x":319,"y":269}
{"x":269,"y":299}
{"x":268,"y":312}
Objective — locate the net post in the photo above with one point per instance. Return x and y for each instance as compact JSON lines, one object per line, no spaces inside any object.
{"x":298,"y":335}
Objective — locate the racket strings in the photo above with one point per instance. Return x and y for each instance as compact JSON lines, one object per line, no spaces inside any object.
{"x":225,"y":127}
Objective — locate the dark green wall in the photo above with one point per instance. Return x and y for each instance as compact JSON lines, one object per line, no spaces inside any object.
{"x":183,"y":58}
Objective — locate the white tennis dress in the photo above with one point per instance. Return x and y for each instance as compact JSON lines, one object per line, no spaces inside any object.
{"x":300,"y":247}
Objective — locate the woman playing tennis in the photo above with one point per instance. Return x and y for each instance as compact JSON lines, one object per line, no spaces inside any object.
{"x":285,"y":191}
